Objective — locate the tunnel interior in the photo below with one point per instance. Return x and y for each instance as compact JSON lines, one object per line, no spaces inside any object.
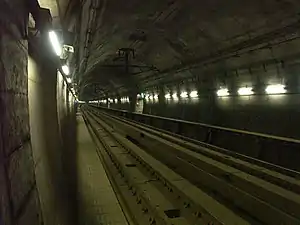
{"x":231,"y":64}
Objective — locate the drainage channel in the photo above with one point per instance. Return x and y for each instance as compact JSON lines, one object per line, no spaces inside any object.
{"x":153,"y":193}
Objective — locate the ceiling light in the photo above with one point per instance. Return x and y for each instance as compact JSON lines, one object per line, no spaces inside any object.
{"x":275,"y":89}
{"x":55,"y":43}
{"x":194,"y":94}
{"x":245,"y":91}
{"x":184,"y":94}
{"x":65,"y":69}
{"x":222,"y":92}
{"x":69,"y":80}
{"x":167,"y":96}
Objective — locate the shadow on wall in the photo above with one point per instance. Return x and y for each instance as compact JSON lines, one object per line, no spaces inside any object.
{"x":67,"y":124}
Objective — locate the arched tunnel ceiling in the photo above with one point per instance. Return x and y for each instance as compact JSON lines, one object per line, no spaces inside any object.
{"x":171,"y":36}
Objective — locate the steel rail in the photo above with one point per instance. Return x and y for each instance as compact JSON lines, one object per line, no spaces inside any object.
{"x":188,"y":203}
{"x":258,"y":191}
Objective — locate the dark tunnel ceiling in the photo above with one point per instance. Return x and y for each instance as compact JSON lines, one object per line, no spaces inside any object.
{"x":175,"y":39}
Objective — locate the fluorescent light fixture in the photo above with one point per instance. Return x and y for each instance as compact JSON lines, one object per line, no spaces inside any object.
{"x":69,"y":80}
{"x":222,"y":92}
{"x":55,"y":43}
{"x":275,"y":89}
{"x":167,"y":96}
{"x":184,"y":94}
{"x":65,"y":69}
{"x":245,"y":91}
{"x":194,"y":94}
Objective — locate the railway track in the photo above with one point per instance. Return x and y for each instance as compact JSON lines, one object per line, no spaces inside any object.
{"x":161,"y":179}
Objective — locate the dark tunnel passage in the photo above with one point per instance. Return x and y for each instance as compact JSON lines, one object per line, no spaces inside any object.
{"x":149,"y":112}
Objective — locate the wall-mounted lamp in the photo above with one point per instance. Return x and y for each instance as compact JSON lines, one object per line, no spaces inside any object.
{"x":245,"y":91}
{"x":66,"y":70}
{"x":275,"y":89}
{"x":125,"y":99}
{"x":184,"y":94}
{"x":55,"y":43}
{"x":222,"y":92}
{"x":168,"y":96}
{"x":194,"y":94}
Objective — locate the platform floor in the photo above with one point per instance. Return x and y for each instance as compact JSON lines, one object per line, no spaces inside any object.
{"x":97,"y":201}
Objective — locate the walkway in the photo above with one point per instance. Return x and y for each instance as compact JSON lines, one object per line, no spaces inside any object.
{"x":97,"y":201}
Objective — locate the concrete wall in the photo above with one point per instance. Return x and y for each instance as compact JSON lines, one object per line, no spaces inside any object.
{"x":19,"y":201}
{"x":35,"y":172}
{"x":45,"y":136}
{"x":277,"y":115}
{"x":50,"y":107}
{"x":66,"y":110}
{"x":265,"y":114}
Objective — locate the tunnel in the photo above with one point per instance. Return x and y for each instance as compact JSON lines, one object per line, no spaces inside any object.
{"x":169,"y":112}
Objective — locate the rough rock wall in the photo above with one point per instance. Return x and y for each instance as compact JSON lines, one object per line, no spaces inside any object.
{"x":19,"y":199}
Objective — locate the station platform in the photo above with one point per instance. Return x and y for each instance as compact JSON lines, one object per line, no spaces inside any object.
{"x":97,"y":201}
